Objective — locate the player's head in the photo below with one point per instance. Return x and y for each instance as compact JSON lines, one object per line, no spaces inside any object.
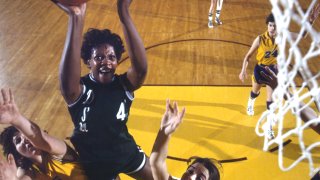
{"x":101,"y":50}
{"x":202,"y":168}
{"x":270,"y":18}
{"x":9,"y":146}
{"x":272,"y":30}
{"x":95,"y":37}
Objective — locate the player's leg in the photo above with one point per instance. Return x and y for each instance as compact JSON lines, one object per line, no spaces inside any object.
{"x":253,"y":95}
{"x":271,"y":120}
{"x":210,"y":19}
{"x":139,"y":167}
{"x":218,"y":11}
{"x":144,"y":173}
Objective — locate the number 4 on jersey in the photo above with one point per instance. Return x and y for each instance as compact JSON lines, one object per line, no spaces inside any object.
{"x":121,"y":113}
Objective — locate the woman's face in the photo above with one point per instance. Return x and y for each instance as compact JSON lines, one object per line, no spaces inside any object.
{"x":24,"y":147}
{"x":103,"y":63}
{"x":272,"y":30}
{"x":196,"y":172}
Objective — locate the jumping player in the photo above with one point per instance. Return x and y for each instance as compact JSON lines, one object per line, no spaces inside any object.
{"x":99,"y":102}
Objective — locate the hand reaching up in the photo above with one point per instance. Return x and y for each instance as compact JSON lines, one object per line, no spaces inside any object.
{"x":79,"y":10}
{"x":8,"y":108}
{"x":171,"y":118}
{"x":123,"y":8}
{"x":123,"y":4}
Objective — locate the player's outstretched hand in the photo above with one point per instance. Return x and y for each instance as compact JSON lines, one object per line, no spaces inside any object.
{"x":8,"y":108}
{"x":271,"y":77}
{"x":79,"y":10}
{"x":171,"y":118}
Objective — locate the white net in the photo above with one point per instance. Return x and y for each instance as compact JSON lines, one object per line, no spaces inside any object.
{"x":296,"y":76}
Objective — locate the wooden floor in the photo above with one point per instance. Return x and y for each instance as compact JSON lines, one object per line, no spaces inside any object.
{"x":181,"y":50}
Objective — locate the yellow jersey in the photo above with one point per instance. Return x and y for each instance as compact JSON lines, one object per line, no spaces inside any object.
{"x":267,"y":51}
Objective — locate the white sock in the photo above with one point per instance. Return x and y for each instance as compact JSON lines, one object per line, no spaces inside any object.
{"x":210,"y":17}
{"x":218,"y":14}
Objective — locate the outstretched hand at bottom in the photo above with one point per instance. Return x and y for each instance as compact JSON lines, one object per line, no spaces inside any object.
{"x":8,"y":108}
{"x":171,"y":118}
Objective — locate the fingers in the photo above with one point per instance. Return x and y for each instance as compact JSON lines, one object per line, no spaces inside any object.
{"x":11,"y":99}
{"x":11,"y":160}
{"x":243,"y":76}
{"x":270,"y":72}
{"x":175,"y":108}
{"x":71,"y":9}
{"x":167,"y":104}
{"x":170,"y":108}
{"x":265,"y":76}
{"x":179,"y":119}
{"x":181,"y":114}
{"x":4,"y":96}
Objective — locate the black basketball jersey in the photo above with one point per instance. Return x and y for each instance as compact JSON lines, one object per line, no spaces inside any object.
{"x":99,"y":116}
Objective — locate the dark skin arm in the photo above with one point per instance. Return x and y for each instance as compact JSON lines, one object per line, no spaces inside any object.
{"x":306,"y":114}
{"x":138,"y":70}
{"x":70,"y":64}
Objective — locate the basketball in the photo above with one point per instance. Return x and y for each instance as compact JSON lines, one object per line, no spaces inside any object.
{"x":72,"y":2}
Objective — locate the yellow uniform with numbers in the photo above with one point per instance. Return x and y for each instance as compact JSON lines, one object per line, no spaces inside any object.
{"x":266,"y":56}
{"x":267,"y":51}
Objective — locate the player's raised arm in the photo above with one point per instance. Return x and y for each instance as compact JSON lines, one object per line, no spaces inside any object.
{"x":70,"y":64}
{"x":170,"y":122}
{"x":9,"y":114}
{"x":138,"y":70}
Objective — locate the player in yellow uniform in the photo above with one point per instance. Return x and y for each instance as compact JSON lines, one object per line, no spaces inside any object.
{"x":267,"y":53}
{"x":31,"y":152}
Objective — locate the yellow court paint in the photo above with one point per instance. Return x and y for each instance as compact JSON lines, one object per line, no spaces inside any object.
{"x":216,"y":125}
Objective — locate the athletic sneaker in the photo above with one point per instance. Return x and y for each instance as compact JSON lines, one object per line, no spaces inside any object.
{"x":210,"y":24}
{"x":270,"y":133}
{"x":218,"y":21}
{"x":250,"y":110}
{"x":268,"y":130}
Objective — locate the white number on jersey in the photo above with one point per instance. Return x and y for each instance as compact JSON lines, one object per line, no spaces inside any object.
{"x":121,"y":113}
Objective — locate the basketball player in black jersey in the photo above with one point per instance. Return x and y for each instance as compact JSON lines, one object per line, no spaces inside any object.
{"x":99,"y":102}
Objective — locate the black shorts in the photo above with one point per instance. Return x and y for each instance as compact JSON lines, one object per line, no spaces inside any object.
{"x":107,"y":171}
{"x":258,"y":68}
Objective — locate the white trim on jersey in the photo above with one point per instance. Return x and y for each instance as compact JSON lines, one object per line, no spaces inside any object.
{"x":129,"y":95}
{"x":78,"y":99}
{"x":141,"y":165}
